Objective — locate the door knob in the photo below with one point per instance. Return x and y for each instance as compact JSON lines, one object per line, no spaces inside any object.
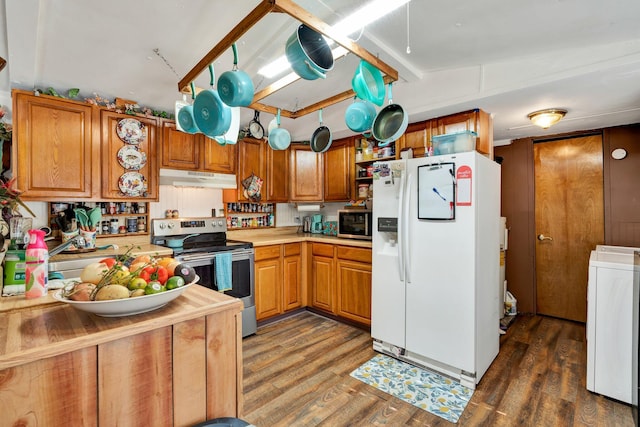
{"x":542,"y":237}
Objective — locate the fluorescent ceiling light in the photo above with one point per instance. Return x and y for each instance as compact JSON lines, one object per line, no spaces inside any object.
{"x":351,"y":24}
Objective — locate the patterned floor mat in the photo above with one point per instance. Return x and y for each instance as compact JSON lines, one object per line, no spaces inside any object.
{"x":427,"y":390}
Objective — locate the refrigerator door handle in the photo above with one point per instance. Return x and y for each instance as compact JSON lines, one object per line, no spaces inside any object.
{"x":401,"y":227}
{"x":405,"y":244}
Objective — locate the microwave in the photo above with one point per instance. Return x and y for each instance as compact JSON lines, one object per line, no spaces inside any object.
{"x":355,"y":224}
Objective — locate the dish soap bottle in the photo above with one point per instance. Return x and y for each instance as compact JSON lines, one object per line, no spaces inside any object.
{"x":37,"y":265}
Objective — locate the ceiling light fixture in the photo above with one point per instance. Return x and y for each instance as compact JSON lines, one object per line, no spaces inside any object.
{"x":547,"y":118}
{"x":349,"y":25}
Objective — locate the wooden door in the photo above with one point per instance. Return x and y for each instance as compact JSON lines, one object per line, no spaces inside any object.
{"x":337,"y":171}
{"x":277,"y":171}
{"x":417,"y":137}
{"x":218,"y":158}
{"x":180,"y":150}
{"x":250,"y":160}
{"x":56,"y":151}
{"x":353,"y":290}
{"x":292,"y":276}
{"x":569,"y":216}
{"x":268,"y":281}
{"x":305,"y":169}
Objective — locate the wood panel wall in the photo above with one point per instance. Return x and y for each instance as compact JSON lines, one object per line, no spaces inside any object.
{"x":622,"y":187}
{"x":621,"y":201}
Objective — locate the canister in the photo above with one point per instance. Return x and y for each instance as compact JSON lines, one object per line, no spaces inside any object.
{"x":132,"y":225}
{"x":363,"y":190}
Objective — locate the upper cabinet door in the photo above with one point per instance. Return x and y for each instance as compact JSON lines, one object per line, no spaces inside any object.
{"x":337,"y":171}
{"x":251,"y":160}
{"x":180,"y":150}
{"x":277,"y":169}
{"x":128,"y":180}
{"x":305,"y":170}
{"x":55,"y":154}
{"x":218,"y":158}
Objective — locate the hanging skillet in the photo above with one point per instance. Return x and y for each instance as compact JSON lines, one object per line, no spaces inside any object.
{"x":390,"y":123}
{"x":321,"y":138}
{"x":255,"y":128}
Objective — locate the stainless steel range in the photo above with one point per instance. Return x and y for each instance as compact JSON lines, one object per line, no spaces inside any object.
{"x":208,"y":241}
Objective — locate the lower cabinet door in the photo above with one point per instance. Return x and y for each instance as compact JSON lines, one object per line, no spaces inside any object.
{"x":268,"y":282}
{"x":353,"y":291}
{"x":322,"y":271}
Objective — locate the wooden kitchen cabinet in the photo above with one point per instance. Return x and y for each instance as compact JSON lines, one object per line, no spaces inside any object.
{"x":341,"y":281}
{"x":473,"y":120}
{"x":292,"y":276}
{"x":353,"y":283}
{"x":56,"y":148}
{"x":337,"y":164}
{"x":305,"y":172}
{"x":251,"y":159}
{"x":113,"y":170}
{"x":417,"y":137}
{"x":277,"y":175}
{"x":322,"y":276}
{"x":195,"y":152}
{"x":268,"y":281}
{"x":179,"y":365}
{"x":277,"y":279}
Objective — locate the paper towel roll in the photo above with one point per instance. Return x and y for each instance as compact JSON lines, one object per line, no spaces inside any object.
{"x":309,"y":208}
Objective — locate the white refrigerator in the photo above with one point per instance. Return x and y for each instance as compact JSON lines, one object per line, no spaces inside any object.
{"x":435,"y":266}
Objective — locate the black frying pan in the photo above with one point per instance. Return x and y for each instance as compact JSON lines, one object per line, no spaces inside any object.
{"x":255,"y":128}
{"x":321,"y":138}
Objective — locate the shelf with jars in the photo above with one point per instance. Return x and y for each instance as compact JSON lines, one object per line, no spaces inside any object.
{"x":250,"y":215}
{"x":367,"y":153}
{"x":118,"y":218}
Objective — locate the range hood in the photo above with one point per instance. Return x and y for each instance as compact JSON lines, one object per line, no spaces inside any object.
{"x":184,"y":178}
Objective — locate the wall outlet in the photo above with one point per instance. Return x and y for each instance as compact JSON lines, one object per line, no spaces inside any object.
{"x":296,"y":219}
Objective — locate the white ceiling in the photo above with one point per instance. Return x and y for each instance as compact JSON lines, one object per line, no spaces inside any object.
{"x":506,"y":57}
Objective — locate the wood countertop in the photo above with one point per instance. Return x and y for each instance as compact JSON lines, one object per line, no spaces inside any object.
{"x":34,"y":333}
{"x":282,"y":235}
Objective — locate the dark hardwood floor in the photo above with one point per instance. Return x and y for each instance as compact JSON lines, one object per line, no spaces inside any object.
{"x":296,"y":373}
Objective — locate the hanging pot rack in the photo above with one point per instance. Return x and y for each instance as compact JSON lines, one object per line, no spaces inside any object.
{"x":295,"y":11}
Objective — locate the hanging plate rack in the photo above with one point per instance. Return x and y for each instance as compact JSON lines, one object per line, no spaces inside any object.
{"x":295,"y":11}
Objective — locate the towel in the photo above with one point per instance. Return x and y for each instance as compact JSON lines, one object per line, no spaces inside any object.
{"x":223,"y":272}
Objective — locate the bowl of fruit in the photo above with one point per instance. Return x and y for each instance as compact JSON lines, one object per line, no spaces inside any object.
{"x":124,"y":287}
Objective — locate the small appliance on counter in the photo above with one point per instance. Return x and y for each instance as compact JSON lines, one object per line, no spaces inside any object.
{"x":306,"y":224}
{"x":316,"y":224}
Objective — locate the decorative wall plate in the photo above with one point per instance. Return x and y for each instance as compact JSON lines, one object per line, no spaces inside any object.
{"x":131,"y":131}
{"x":131,"y":158}
{"x":132,"y":184}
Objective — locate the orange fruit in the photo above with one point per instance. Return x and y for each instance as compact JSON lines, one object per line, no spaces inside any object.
{"x":164,"y":262}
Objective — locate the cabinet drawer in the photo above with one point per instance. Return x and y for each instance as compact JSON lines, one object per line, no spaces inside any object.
{"x":292,"y":249}
{"x":267,"y":252}
{"x":354,"y":254}
{"x":322,"y":249}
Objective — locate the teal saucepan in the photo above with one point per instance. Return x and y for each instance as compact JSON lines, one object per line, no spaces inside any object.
{"x":231,"y":136}
{"x":390,"y":122}
{"x":309,"y":53}
{"x":213,"y":117}
{"x":368,"y":84}
{"x":185,"y":116}
{"x":359,"y":116}
{"x":235,"y":87}
{"x":279,"y":138}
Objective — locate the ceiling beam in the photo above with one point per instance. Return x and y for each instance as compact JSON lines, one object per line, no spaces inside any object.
{"x":298,"y":13}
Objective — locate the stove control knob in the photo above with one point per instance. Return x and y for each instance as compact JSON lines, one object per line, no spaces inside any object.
{"x":171,"y":225}
{"x":220,"y":223}
{"x":161,"y":225}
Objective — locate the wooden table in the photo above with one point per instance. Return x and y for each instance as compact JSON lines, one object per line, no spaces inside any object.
{"x":178,"y":365}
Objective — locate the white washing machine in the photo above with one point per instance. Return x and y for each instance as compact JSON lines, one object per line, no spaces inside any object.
{"x":612,"y":322}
